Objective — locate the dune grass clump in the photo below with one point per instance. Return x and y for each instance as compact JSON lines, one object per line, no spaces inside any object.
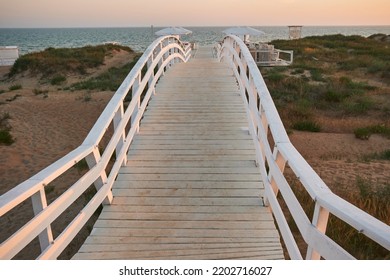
{"x":57,"y":80}
{"x":64,"y":60}
{"x":371,"y":198}
{"x":310,"y":126}
{"x":364,"y":133}
{"x":331,"y":74}
{"x":15,"y":87}
{"x":5,"y":135}
{"x":110,"y":80}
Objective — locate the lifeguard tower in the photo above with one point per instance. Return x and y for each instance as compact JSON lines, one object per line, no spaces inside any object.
{"x":294,"y":32}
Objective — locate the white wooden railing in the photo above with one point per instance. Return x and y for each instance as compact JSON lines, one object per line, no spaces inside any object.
{"x":159,"y":56}
{"x":274,"y":151}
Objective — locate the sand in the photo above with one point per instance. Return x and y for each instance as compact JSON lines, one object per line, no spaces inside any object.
{"x":48,"y":128}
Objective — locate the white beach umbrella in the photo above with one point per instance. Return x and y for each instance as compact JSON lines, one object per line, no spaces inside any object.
{"x":173,"y":31}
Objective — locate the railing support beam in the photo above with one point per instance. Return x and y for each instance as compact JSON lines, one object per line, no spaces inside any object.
{"x":92,"y":160}
{"x":39,"y":203}
{"x":320,"y":221}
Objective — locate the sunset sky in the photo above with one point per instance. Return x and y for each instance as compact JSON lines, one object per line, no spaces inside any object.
{"x":130,"y":13}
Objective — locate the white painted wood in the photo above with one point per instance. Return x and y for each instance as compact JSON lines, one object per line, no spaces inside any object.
{"x":264,"y":118}
{"x":108,"y":215}
{"x":188,"y":178}
{"x":113,"y":113}
{"x":107,"y":240}
{"x":320,"y":221}
{"x":39,"y":203}
{"x":147,"y":184}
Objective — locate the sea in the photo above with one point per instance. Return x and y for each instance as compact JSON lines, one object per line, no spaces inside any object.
{"x":139,"y":38}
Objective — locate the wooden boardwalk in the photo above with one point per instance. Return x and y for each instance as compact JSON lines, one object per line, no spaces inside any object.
{"x":191,"y":189}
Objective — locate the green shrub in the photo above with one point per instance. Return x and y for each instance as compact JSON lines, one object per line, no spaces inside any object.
{"x":365,"y":132}
{"x":274,"y":76}
{"x":15,"y":87}
{"x":362,"y":133}
{"x":359,"y":106}
{"x":6,"y":137}
{"x":2,"y":91}
{"x":334,"y":96}
{"x":385,"y":155}
{"x":40,"y":91}
{"x":87,"y":97}
{"x":13,"y":98}
{"x":64,"y":60}
{"x":298,"y":71}
{"x":316,"y":75}
{"x":307,"y":126}
{"x":109,"y":80}
{"x":57,"y":80}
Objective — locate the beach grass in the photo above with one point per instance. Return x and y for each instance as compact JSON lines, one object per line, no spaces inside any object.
{"x":53,"y":61}
{"x":5,"y":130}
{"x":15,"y":87}
{"x":364,"y":133}
{"x":109,"y":80}
{"x":373,"y":200}
{"x":333,"y":75}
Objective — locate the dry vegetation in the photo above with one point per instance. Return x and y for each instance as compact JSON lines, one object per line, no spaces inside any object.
{"x":335,"y":102}
{"x":337,"y":85}
{"x":44,"y":114}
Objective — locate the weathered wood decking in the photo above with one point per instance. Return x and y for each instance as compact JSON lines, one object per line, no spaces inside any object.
{"x":191,"y":189}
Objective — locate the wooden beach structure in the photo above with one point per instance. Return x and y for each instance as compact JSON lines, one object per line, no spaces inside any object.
{"x":194,"y":168}
{"x":263,"y":54}
{"x":266,"y":55}
{"x":294,"y":32}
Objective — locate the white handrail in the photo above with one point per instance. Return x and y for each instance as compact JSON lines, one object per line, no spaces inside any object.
{"x":158,"y":57}
{"x":264,"y":119}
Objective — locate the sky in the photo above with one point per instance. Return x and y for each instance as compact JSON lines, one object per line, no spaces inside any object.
{"x":132,"y":13}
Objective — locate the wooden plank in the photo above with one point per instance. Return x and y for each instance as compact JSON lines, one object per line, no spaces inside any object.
{"x":189,"y":170}
{"x":178,"y":146}
{"x":203,"y":233}
{"x":147,"y":184}
{"x":185,"y":216}
{"x":178,"y":240}
{"x":192,"y":144}
{"x":185,"y":201}
{"x":191,"y":188}
{"x":89,"y":248}
{"x":151,"y":192}
{"x":115,"y":207}
{"x":209,"y":225}
{"x":241,"y":136}
{"x":191,"y":177}
{"x":203,"y":157}
{"x":184,"y":254}
{"x":208,"y":152}
{"x":191,"y":163}
{"x":197,"y":127}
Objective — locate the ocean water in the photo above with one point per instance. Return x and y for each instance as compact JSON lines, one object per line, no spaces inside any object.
{"x":138,"y":38}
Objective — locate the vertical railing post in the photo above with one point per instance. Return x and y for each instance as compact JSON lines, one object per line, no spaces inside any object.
{"x":138,"y":97}
{"x":150,"y":62}
{"x":320,"y":221}
{"x":117,"y":120}
{"x":39,"y":203}
{"x":92,"y":159}
{"x":281,"y":163}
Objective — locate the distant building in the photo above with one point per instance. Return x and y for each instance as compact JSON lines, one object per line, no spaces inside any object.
{"x":8,"y":55}
{"x":294,"y":32}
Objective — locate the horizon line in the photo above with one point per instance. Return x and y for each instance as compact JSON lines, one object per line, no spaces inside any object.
{"x":158,"y":26}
